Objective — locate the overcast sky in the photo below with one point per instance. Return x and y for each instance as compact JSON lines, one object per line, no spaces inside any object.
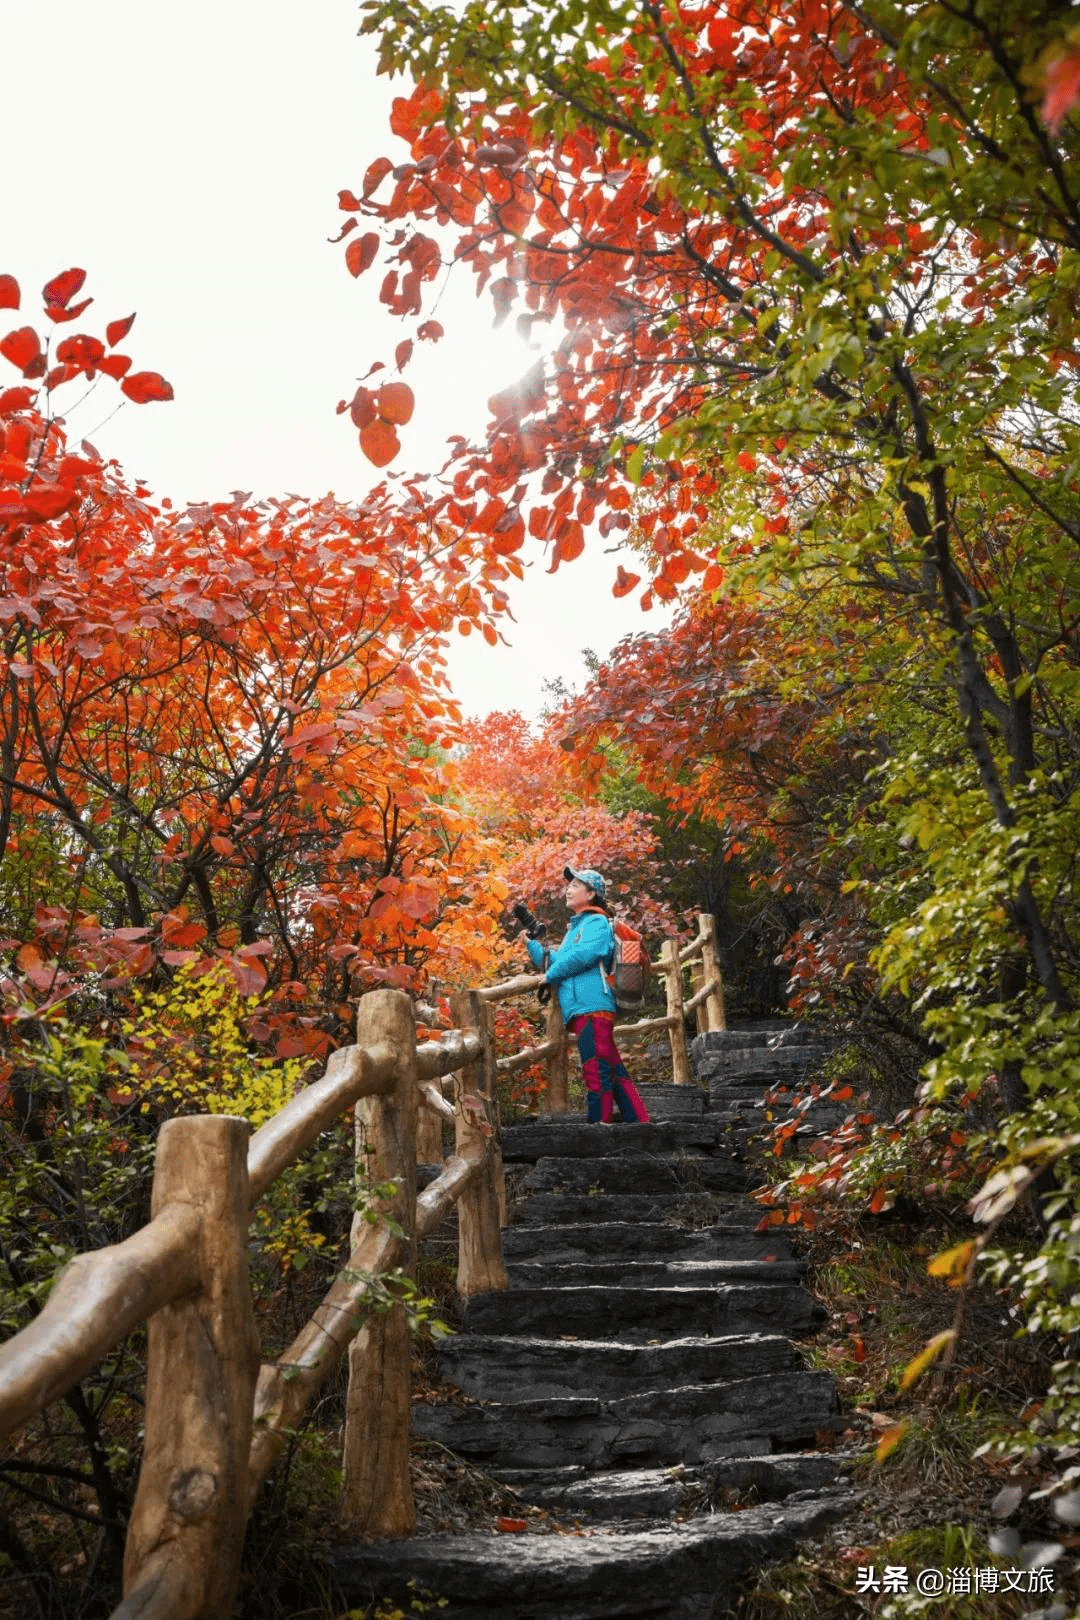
{"x":189,"y":159}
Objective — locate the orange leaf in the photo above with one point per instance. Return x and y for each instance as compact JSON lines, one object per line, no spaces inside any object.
{"x":746,"y":461}
{"x":380,"y":442}
{"x":889,"y":1441}
{"x":395,"y":402}
{"x":624,"y":582}
{"x":144,"y":386}
{"x":360,"y":253}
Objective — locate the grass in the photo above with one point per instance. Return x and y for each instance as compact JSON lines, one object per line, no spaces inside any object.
{"x":929,"y":1503}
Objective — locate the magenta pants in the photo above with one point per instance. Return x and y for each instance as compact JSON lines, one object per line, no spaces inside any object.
{"x":604,"y":1071}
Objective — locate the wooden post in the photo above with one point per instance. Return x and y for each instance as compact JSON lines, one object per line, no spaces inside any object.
{"x":481,"y":1206}
{"x":429,"y":1130}
{"x":377,"y":1499}
{"x":429,"y":1134}
{"x":186,"y":1534}
{"x":717,"y":1017}
{"x":701,"y":1011}
{"x":672,"y":968}
{"x":557,"y":1096}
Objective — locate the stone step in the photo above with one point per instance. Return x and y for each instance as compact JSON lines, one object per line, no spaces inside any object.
{"x":663,"y":1102}
{"x":681,"y":1211}
{"x":636,"y":1315}
{"x":629,"y":1493}
{"x":545,"y":1139}
{"x":660,"y":1270}
{"x":622,"y":1173}
{"x":499,"y":1368}
{"x":674,"y":1102}
{"x":760,"y":1068}
{"x":692,"y":1424}
{"x":772,"y":1033}
{"x":579,"y":1240}
{"x":662,"y":1572}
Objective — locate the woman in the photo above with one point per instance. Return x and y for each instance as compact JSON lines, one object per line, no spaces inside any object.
{"x":587,"y":1003}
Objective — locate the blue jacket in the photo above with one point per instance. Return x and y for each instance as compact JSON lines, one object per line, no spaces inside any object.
{"x":575,"y":967}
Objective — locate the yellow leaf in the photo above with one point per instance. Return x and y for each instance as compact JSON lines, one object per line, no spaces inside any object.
{"x":952,"y":1263}
{"x":926,"y":1357}
{"x":889,"y":1441}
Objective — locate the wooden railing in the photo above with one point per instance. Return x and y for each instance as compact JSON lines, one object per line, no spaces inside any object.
{"x":215,"y":1419}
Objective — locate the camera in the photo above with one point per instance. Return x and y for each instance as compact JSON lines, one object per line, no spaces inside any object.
{"x":535,"y":929}
{"x":532,"y":925}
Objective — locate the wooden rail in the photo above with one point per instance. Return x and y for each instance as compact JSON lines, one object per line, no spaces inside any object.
{"x":706,"y":1002}
{"x":215,"y":1419}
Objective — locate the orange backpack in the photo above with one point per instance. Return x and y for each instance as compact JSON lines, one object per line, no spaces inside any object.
{"x":628,"y":975}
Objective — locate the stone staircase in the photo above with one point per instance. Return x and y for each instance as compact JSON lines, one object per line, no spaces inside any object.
{"x":638,"y":1375}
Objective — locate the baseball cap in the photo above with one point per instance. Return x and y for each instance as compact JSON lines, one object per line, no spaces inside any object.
{"x":592,"y":879}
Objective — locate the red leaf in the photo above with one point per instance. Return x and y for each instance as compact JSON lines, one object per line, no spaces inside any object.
{"x":22,"y":347}
{"x":376,"y":174}
{"x":9,"y":292}
{"x":144,"y":386}
{"x":82,"y":350}
{"x":569,"y":544}
{"x":348,"y":202}
{"x":224,"y":846}
{"x":15,"y":399}
{"x":59,"y":292}
{"x":1062,"y":88}
{"x":360,"y":253}
{"x":180,"y":935}
{"x":403,"y":353}
{"x":318,"y":732}
{"x":380,"y":442}
{"x":117,"y":330}
{"x":395,"y":402}
{"x":57,"y":312}
{"x":624,"y":582}
{"x":60,"y":374}
{"x":362,"y":410}
{"x":46,"y":501}
{"x":430,"y":331}
{"x":746,"y":461}
{"x":12,"y":508}
{"x":115,"y":365}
